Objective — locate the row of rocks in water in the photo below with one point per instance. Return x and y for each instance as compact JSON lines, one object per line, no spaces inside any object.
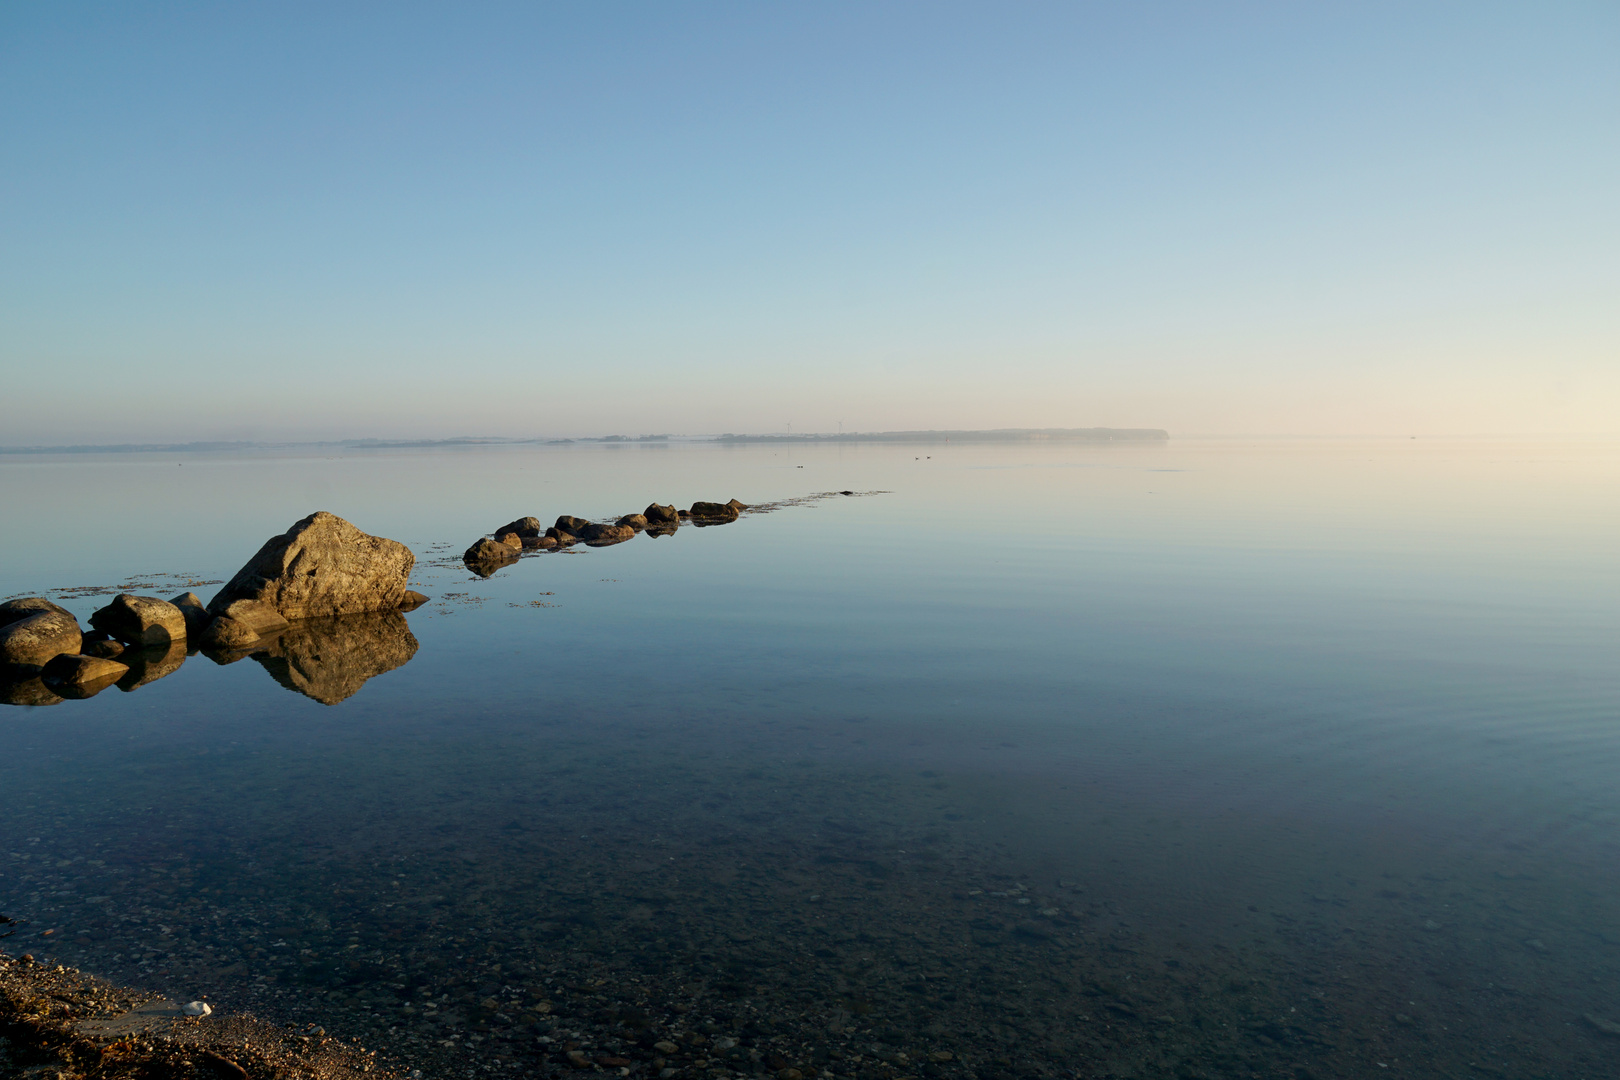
{"x":322,"y":567}
{"x":527,"y":534}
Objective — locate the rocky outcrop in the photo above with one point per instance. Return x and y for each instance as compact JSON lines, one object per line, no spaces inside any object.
{"x":597,"y":535}
{"x":655,"y":513}
{"x":141,"y":620}
{"x":34,"y":630}
{"x":528,"y":526}
{"x":330,"y":659}
{"x":634,"y":521}
{"x":83,"y":676}
{"x":572,"y":525}
{"x":322,"y":566}
{"x":195,"y":612}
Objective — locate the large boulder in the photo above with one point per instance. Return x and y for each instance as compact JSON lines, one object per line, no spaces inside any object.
{"x":330,"y":659}
{"x":30,"y":637}
{"x":141,"y":620}
{"x":528,"y":526}
{"x":16,"y":610}
{"x":322,"y":566}
{"x":656,"y":513}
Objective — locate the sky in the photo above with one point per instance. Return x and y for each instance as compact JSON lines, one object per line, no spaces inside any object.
{"x":315,"y":221}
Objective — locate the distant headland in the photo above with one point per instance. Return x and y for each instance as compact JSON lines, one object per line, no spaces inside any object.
{"x":995,"y":435}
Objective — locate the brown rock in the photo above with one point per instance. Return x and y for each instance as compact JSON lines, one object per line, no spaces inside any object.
{"x":656,"y":513}
{"x":489,"y":552}
{"x":226,"y":635}
{"x":141,"y":620}
{"x":32,"y":640}
{"x":539,"y":543}
{"x":74,"y":676}
{"x":737,"y":506}
{"x":524,"y":527}
{"x":634,"y":521}
{"x":511,"y":540}
{"x":563,"y":538}
{"x":330,"y":659}
{"x":412,"y":600}
{"x":195,"y":613}
{"x":571,"y":524}
{"x":714,"y":511}
{"x":322,"y":566}
{"x":260,"y":618}
{"x":107,"y":649}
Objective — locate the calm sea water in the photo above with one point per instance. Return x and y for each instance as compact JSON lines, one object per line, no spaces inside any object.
{"x":1207,"y":758}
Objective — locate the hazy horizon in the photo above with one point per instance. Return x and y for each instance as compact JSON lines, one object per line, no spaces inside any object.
{"x":299,"y":223}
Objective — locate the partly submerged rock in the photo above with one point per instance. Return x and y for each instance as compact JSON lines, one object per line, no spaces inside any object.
{"x":655,"y":513}
{"x":322,"y":566}
{"x":634,"y":521}
{"x":141,"y":620}
{"x":195,"y":612}
{"x":228,"y":635}
{"x":527,"y":526}
{"x":715,"y":511}
{"x":330,"y":659}
{"x":258,"y":617}
{"x":569,"y":524}
{"x":539,"y":543}
{"x":737,"y":506}
{"x":32,"y":640}
{"x":603,"y":535}
{"x":489,"y":551}
{"x":412,"y":600}
{"x":562,"y":537}
{"x":78,"y":676}
{"x":150,"y":664}
{"x":107,"y":648}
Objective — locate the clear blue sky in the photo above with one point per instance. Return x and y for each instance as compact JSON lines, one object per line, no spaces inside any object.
{"x":333,"y":220}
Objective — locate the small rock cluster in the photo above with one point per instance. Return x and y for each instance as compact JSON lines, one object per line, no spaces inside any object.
{"x":321,"y":567}
{"x":525,"y":534}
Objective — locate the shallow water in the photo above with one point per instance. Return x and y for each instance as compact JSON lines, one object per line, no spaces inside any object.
{"x":1193,"y":759}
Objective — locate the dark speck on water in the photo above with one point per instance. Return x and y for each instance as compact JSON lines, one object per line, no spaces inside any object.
{"x":1304,"y":769}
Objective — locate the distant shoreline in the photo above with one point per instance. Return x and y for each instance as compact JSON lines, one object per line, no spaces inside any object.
{"x":987,"y":436}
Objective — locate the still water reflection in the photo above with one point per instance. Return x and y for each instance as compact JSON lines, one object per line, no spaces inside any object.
{"x":1191,"y":760}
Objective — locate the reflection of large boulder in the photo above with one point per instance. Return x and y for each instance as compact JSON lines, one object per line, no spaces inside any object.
{"x":27,"y":690}
{"x":330,"y":659}
{"x":151,"y":664}
{"x":322,"y":566}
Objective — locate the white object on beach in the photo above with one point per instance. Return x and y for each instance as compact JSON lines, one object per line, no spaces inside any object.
{"x":198,"y":1008}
